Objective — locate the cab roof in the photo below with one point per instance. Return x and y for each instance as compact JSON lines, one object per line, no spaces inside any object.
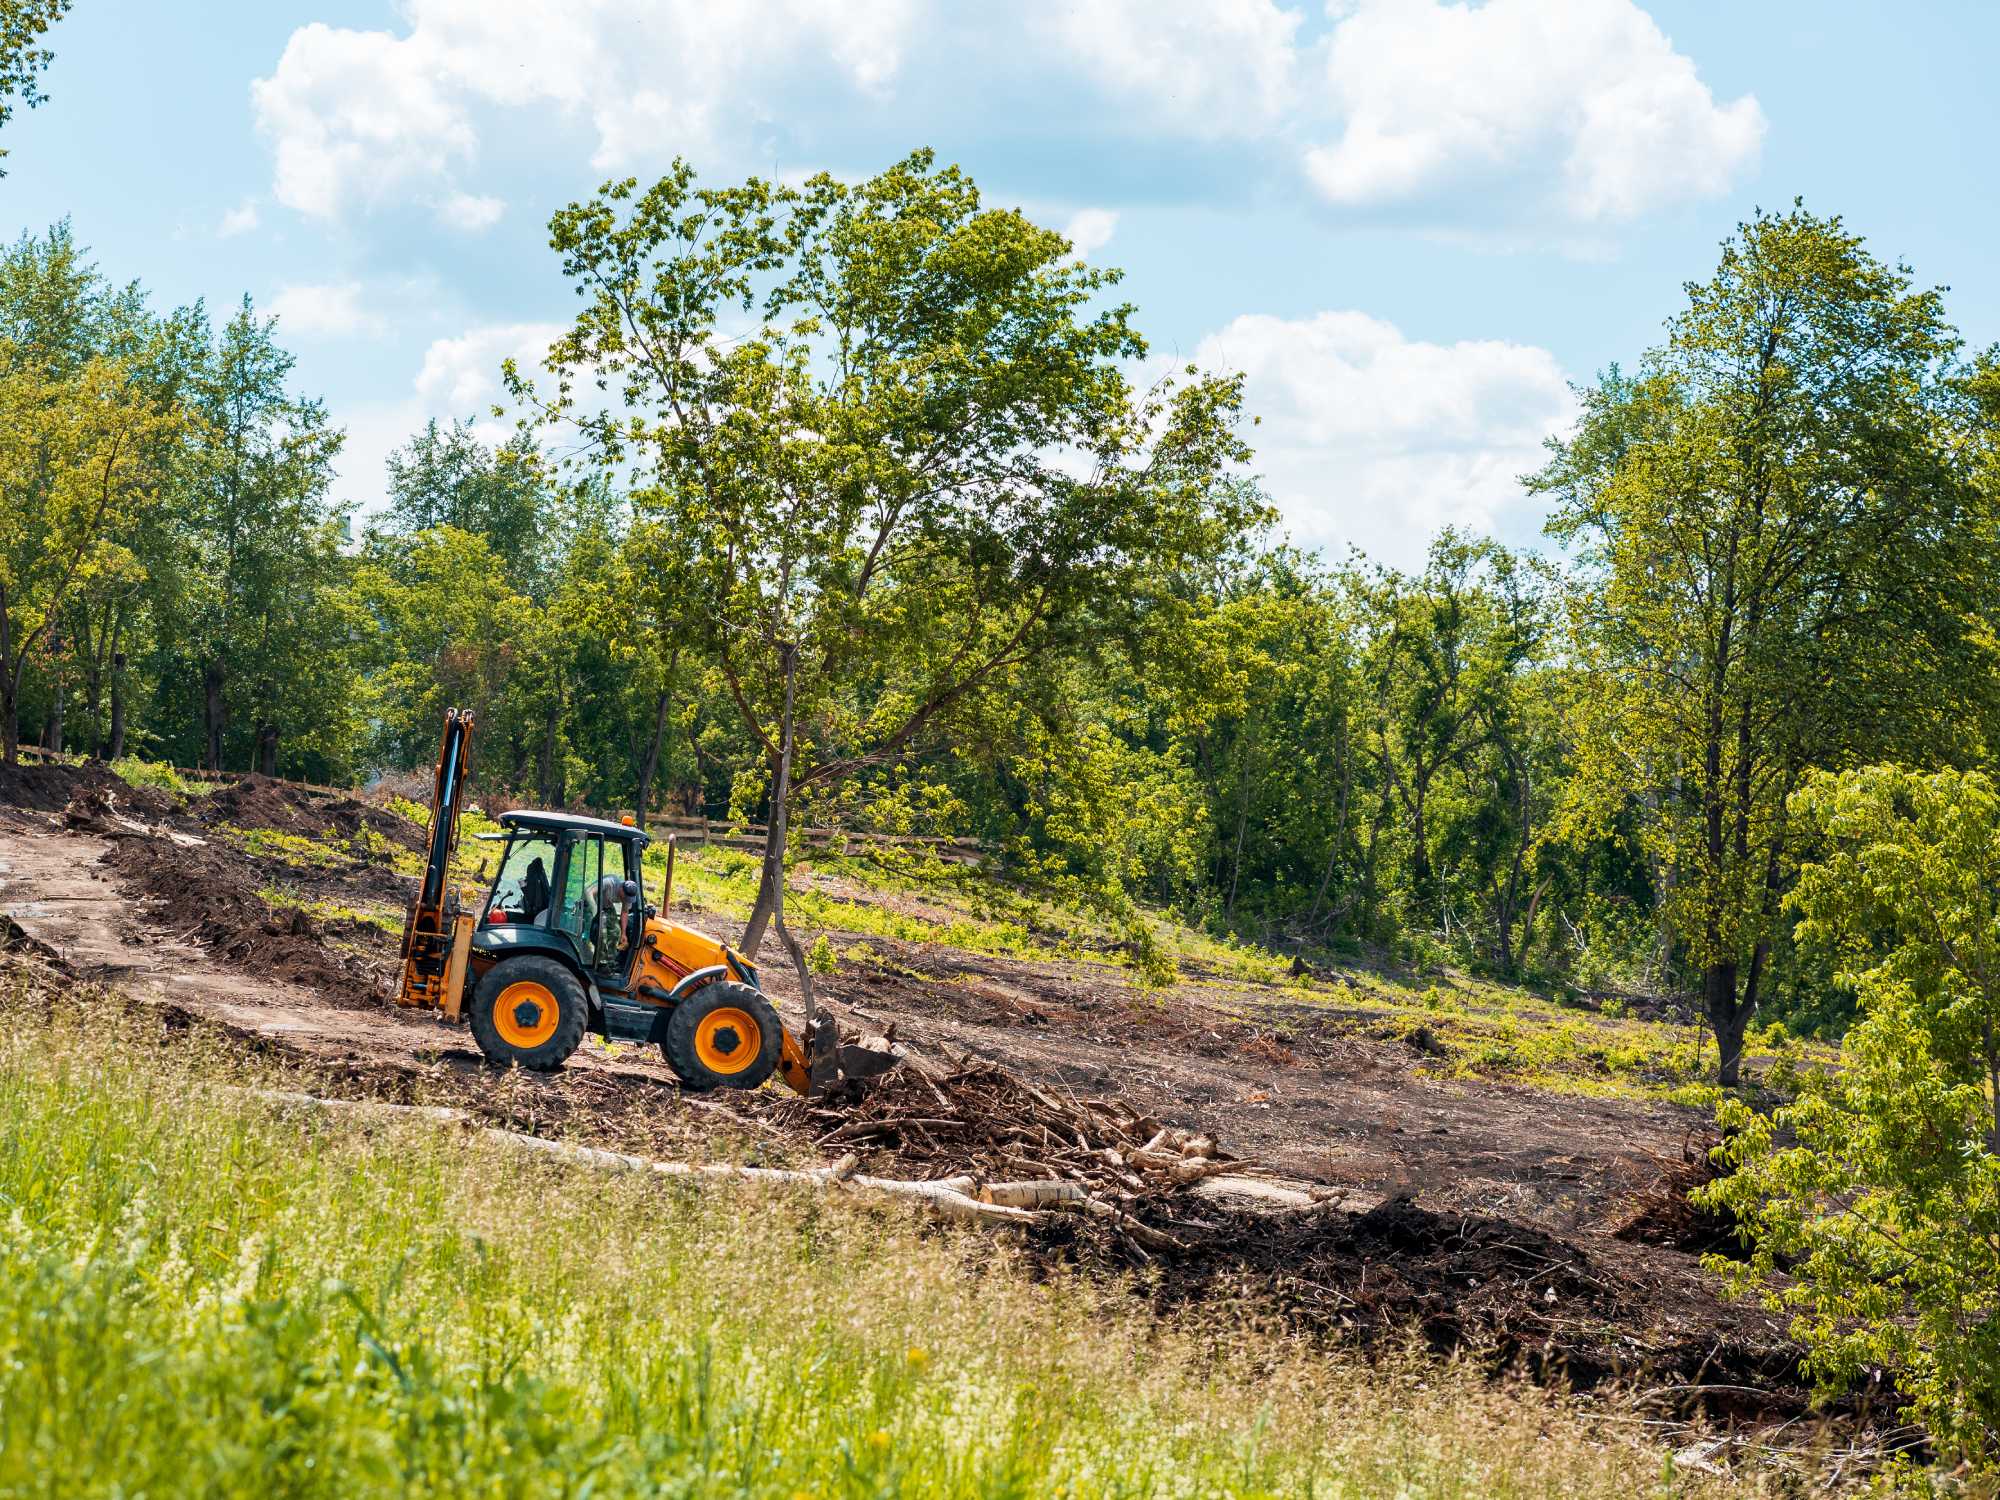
{"x":559,"y":822}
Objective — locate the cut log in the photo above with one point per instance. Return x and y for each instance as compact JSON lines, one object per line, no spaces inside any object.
{"x":950,"y":1197}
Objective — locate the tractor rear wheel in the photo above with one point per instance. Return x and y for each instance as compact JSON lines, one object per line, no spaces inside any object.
{"x":723,"y":1036}
{"x":529,"y":1012}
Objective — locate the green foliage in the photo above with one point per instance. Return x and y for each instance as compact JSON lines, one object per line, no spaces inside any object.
{"x":1784,"y":553}
{"x":22,"y":59}
{"x":1877,"y":1190}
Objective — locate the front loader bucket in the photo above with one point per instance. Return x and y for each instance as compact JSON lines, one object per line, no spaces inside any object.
{"x":823,"y":1058}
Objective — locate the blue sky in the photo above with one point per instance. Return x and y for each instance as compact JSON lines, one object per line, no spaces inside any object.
{"x":1409,"y":222}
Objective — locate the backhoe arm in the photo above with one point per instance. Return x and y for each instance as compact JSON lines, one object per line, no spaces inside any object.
{"x":437,"y":934}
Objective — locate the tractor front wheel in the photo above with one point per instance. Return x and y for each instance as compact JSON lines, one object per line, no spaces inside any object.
{"x":529,"y":1012}
{"x":723,"y":1036}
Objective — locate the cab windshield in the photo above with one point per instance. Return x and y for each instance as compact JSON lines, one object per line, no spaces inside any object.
{"x":523,"y":890}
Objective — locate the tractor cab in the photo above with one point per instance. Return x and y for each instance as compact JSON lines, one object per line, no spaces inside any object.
{"x":569,"y":885}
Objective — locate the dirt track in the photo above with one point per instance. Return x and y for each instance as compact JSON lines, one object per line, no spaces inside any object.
{"x":1505,"y":1242}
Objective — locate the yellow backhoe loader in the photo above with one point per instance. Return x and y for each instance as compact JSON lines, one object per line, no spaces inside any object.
{"x":563,"y":942}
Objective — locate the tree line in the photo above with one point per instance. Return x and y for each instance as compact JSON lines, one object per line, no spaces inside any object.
{"x":840,"y":502}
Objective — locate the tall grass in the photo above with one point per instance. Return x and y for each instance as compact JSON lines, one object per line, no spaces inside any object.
{"x":202,"y":1295}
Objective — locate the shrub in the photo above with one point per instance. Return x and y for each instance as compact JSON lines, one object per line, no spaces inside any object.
{"x":1879,"y":1184}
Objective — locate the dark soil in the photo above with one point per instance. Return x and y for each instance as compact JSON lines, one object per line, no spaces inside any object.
{"x":261,"y":802}
{"x":1584,"y":1313}
{"x":199,"y":892}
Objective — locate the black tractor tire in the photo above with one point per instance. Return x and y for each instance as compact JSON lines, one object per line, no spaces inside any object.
{"x":724,"y":1036}
{"x":511,"y":1013}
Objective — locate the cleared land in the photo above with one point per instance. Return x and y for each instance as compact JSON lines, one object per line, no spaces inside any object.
{"x":1384,"y":1184}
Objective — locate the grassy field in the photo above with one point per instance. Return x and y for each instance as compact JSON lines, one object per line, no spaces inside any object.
{"x":201,"y":1295}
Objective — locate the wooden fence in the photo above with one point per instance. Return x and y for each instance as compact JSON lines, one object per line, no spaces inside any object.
{"x":727,"y":835}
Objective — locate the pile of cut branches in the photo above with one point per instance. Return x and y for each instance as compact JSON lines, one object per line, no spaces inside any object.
{"x":1660,"y":1213}
{"x":1020,"y":1145}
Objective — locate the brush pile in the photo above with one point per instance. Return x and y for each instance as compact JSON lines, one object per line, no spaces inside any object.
{"x":1660,"y":1213}
{"x":1022,"y":1146}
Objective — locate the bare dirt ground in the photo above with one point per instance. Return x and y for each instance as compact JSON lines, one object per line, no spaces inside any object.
{"x":1480,"y":1214}
{"x":1284,"y":1080}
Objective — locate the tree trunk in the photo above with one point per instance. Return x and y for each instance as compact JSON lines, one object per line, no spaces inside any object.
{"x":10,"y":686}
{"x":819,"y":1040}
{"x":771,"y":882}
{"x":58,"y":693}
{"x":650,"y":766}
{"x":115,"y":745}
{"x":1728,"y":1018}
{"x":267,"y":749}
{"x":545,"y":762}
{"x":212,"y":715}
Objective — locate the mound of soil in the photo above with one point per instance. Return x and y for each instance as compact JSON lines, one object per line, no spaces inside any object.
{"x":114,"y":808}
{"x":51,"y":788}
{"x":261,"y":802}
{"x":1468,"y":1283}
{"x":210,"y":897}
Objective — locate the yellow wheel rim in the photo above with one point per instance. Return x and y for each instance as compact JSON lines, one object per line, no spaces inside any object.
{"x":525,"y":1015}
{"x":727,"y":1040}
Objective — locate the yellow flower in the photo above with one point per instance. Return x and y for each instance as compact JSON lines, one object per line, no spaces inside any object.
{"x":917,"y":1357}
{"x":878,"y":1439}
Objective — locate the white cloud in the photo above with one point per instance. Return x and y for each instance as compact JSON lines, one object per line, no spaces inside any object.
{"x":1371,"y":438}
{"x":1091,"y":230}
{"x":328,"y":310}
{"x":460,"y":376}
{"x":1580,"y":107}
{"x":1557,"y":114}
{"x":471,"y":213}
{"x":1208,"y":67}
{"x":356,"y":117}
{"x":239,"y":220}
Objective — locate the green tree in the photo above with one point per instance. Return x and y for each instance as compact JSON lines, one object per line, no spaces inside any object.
{"x":894,"y":427}
{"x":72,"y":475}
{"x":445,"y":476}
{"x":253,"y":505}
{"x":1873,"y":1198}
{"x":23,"y":59}
{"x":1782,"y":548}
{"x":448,"y":633}
{"x":1444,"y":653}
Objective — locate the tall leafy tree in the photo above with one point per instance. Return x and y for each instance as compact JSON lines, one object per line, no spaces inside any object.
{"x":1446,"y":648}
{"x":894,"y":425}
{"x":255,"y":503}
{"x":73,"y":472}
{"x":1783,"y":550}
{"x":445,"y":476}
